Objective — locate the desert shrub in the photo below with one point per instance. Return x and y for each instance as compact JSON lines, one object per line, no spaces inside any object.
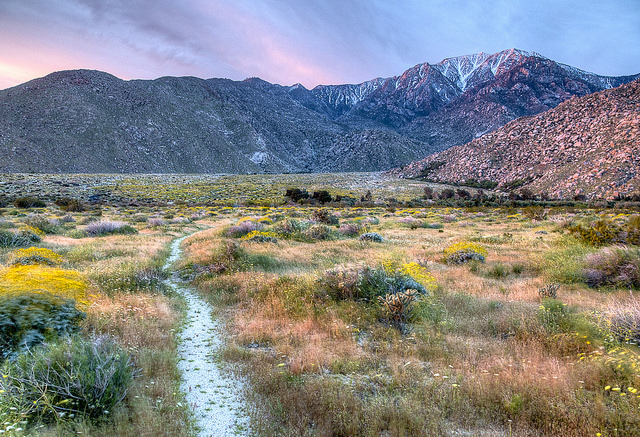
{"x":296,"y":194}
{"x":20,"y":279}
{"x":464,"y":251}
{"x":613,"y":266}
{"x":367,"y":283}
{"x":565,"y":263}
{"x":290,"y":228}
{"x":322,"y":196}
{"x":156,"y":222}
{"x":34,"y":255}
{"x":549,"y":291}
{"x":30,"y":318}
{"x":28,"y":202}
{"x":399,"y":306}
{"x":318,"y":232}
{"x":226,"y":257}
{"x":107,"y":227}
{"x":44,"y":224}
{"x":556,"y":317}
{"x":69,"y":204}
{"x":67,"y":219}
{"x":371,"y":236}
{"x":412,"y":222}
{"x":261,"y":237}
{"x":350,"y":229}
{"x":72,"y":377}
{"x":607,"y":232}
{"x":243,"y":228}
{"x":535,"y":212}
{"x":324,"y":216}
{"x":23,"y":236}
{"x":621,"y":323}
{"x":498,"y":271}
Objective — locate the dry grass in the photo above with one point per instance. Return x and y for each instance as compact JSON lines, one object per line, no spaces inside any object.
{"x":478,"y":358}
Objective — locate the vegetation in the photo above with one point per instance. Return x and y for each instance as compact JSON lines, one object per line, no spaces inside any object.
{"x":388,"y":314}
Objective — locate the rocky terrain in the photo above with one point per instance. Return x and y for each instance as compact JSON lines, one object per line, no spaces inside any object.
{"x":88,"y":121}
{"x":585,"y":146}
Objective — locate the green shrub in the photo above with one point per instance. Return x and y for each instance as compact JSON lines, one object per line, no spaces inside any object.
{"x":549,"y":291}
{"x":33,"y":255}
{"x":28,"y":202}
{"x":613,"y":266}
{"x":69,"y":204}
{"x":607,"y":232}
{"x":621,"y":322}
{"x":72,"y":377}
{"x":555,"y":316}
{"x":367,"y":283}
{"x":31,"y":318}
{"x":24,"y":236}
{"x":324,"y":216}
{"x":318,"y":232}
{"x":48,"y":226}
{"x":105,"y":227}
{"x":399,"y":306}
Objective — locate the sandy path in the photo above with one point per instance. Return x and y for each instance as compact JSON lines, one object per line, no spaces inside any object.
{"x":212,"y":393}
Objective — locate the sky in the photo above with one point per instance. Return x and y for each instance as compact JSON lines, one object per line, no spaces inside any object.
{"x":305,"y":41}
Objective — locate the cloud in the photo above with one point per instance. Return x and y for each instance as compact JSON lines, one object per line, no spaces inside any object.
{"x":312,"y":42}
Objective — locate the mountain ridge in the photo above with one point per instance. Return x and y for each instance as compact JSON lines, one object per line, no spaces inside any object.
{"x":87,"y":121}
{"x":587,"y":146}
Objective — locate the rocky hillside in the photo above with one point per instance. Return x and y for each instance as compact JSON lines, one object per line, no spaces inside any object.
{"x":89,"y":121}
{"x":588,"y":145}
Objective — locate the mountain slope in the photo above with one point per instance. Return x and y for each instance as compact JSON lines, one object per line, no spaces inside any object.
{"x":588,"y":145}
{"x":89,"y":121}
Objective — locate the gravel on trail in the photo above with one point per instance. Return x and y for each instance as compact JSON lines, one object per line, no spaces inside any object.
{"x":213,"y":393}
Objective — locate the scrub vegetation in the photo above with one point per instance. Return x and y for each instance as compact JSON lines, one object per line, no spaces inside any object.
{"x":372,"y":315}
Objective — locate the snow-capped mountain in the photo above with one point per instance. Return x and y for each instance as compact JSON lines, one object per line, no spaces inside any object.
{"x":89,"y":121}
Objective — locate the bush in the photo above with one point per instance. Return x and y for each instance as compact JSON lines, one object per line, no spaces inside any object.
{"x":464,"y":251}
{"x":324,"y":216}
{"x":106,"y":227}
{"x":21,"y":279}
{"x":622,"y":322}
{"x":243,"y":228}
{"x":371,"y":236}
{"x":318,"y":232}
{"x":75,"y":377}
{"x":34,"y":255}
{"x":549,"y":291}
{"x":28,"y":202}
{"x":42,"y":223}
{"x":290,"y":228}
{"x":261,"y":237}
{"x":399,"y":305}
{"x":367,"y":283}
{"x":555,"y":316}
{"x":349,"y":229}
{"x":613,"y":266}
{"x":69,"y":204}
{"x":608,"y":232}
{"x":24,"y":236}
{"x":30,"y":318}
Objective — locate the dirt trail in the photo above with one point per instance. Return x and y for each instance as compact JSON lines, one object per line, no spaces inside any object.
{"x":214,"y":395}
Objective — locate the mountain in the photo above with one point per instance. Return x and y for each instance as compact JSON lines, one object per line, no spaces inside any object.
{"x":89,"y":121}
{"x":585,"y":146}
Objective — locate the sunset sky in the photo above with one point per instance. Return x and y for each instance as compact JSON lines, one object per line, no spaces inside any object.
{"x":308,"y":41}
